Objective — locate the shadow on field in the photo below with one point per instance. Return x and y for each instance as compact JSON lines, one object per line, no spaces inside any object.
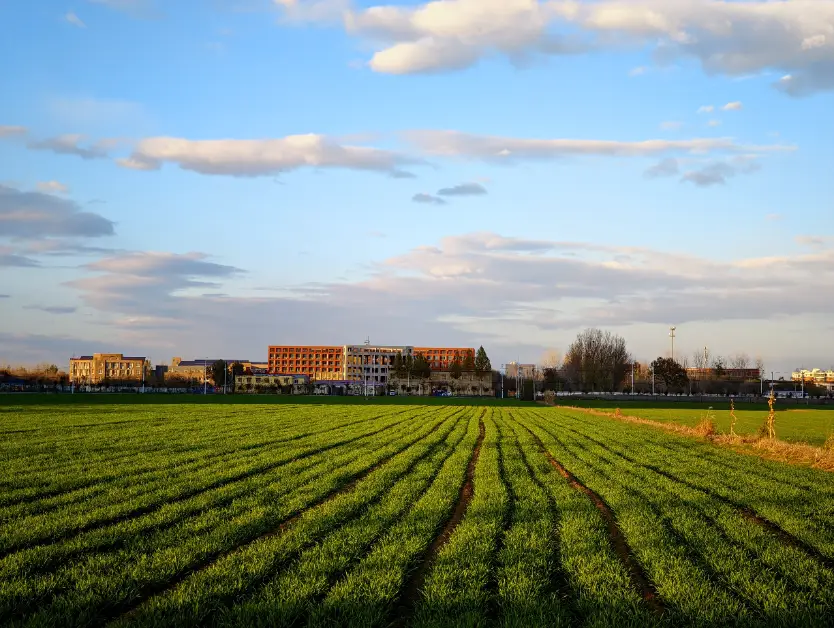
{"x":637,"y":403}
{"x":87,"y":399}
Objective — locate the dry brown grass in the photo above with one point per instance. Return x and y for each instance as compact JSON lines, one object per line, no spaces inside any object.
{"x":770,"y":448}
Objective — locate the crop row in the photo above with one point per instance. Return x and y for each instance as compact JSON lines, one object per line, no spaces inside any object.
{"x":123,"y":501}
{"x":27,"y":481}
{"x":355,"y":517}
{"x":119,"y":564}
{"x":709,"y":563}
{"x":161,"y":481}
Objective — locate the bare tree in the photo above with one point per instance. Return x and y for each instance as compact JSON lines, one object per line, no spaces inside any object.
{"x":760,"y":365}
{"x":740,"y":361}
{"x":598,"y":360}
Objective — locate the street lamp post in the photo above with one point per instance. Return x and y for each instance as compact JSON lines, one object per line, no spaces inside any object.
{"x":672,"y":336}
{"x":205,"y":376}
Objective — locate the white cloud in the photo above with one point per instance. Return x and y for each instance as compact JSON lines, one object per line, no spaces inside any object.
{"x":638,"y":71}
{"x":261,"y":157}
{"x":733,"y":106}
{"x":73,"y":19}
{"x":714,"y":123}
{"x":731,"y":38}
{"x":509,"y":149}
{"x":52,"y":187}
{"x":706,"y":109}
{"x":476,"y":287}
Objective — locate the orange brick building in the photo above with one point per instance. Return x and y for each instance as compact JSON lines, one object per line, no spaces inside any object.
{"x":323,"y":362}
{"x":317,"y":362}
{"x":441,"y":358}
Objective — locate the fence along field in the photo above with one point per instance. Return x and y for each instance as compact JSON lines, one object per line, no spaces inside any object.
{"x":292,"y":515}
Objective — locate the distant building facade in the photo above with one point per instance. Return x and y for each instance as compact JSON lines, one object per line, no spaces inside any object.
{"x":525,"y":371}
{"x":106,"y":367}
{"x":702,"y":374}
{"x":200,"y":370}
{"x":815,"y":376}
{"x":357,"y":362}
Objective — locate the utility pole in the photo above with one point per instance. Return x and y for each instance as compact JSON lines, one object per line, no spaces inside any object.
{"x":672,"y":336}
{"x":632,"y":378}
{"x":364,"y":367}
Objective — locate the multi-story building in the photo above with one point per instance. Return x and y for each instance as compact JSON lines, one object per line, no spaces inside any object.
{"x":362,"y":362}
{"x":441,"y":358}
{"x":103,"y":367}
{"x":315,"y":361}
{"x":371,"y":363}
{"x":816,"y":376}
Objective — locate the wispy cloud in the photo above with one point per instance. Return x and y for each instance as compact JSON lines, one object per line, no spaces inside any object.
{"x":52,"y":309}
{"x":70,"y":144}
{"x":463,"y":189}
{"x":73,"y":19}
{"x":706,"y":109}
{"x":13,"y":131}
{"x":52,"y":187}
{"x":733,"y":106}
{"x":427,"y":199}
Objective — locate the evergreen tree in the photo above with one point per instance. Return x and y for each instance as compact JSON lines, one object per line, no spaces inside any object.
{"x":482,"y":363}
{"x":468,"y":363}
{"x":456,"y":370}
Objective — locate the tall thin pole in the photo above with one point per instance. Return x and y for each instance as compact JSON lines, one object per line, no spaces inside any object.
{"x":205,"y":376}
{"x":672,"y":336}
{"x":225,"y":373}
{"x":632,"y":378}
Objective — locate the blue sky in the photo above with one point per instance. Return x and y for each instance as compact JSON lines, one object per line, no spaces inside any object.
{"x":195,"y":178}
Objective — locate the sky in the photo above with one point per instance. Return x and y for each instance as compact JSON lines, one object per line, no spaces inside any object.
{"x":209,"y":177}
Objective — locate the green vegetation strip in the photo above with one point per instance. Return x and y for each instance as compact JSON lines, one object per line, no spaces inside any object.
{"x":528,"y":581}
{"x":367,"y":593}
{"x":379,"y":500}
{"x":102,"y":583}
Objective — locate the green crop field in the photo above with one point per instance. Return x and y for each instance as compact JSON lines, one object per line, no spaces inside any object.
{"x":794,"y":423}
{"x":287,"y":514}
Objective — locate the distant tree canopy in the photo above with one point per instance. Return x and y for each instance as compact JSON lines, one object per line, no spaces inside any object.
{"x":456,"y":369}
{"x":670,"y":372}
{"x":597,"y":360}
{"x":468,"y":363}
{"x":218,"y":372}
{"x":421,"y":367}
